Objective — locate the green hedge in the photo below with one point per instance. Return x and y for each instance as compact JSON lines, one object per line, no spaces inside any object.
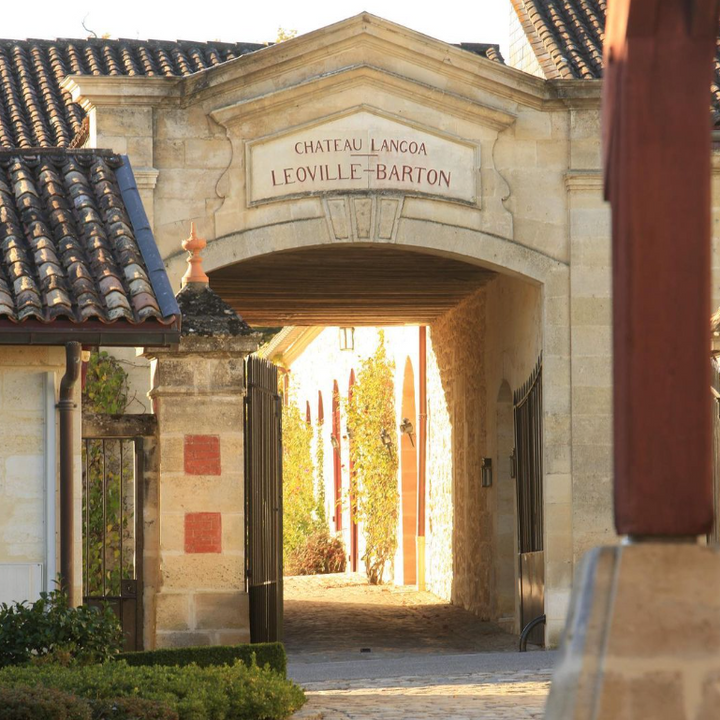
{"x":194,"y":693}
{"x":131,"y":708}
{"x":24,"y":703}
{"x":265,"y":654}
{"x":41,"y":703}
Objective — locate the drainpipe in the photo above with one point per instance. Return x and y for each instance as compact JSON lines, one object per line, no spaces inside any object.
{"x":50,"y":483}
{"x":73,"y":360}
{"x":422,"y":448}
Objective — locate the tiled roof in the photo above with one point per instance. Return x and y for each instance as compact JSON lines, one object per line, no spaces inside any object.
{"x":36,"y":112}
{"x":567,"y":37}
{"x":486,"y":50}
{"x":69,"y":251}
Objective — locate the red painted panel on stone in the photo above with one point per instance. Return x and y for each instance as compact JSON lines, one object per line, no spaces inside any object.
{"x":203,"y":532}
{"x":202,"y":455}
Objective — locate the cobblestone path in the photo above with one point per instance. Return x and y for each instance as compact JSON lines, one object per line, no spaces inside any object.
{"x":483,"y":696}
{"x":335,"y":616}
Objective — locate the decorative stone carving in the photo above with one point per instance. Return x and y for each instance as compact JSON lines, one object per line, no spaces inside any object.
{"x":373,"y":218}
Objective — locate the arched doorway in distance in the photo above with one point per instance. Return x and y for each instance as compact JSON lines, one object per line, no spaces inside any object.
{"x":408,"y":475}
{"x":354,"y":531}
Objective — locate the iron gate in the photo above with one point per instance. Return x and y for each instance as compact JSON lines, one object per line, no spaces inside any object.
{"x":112,"y":530}
{"x":529,"y":478}
{"x":263,"y":500}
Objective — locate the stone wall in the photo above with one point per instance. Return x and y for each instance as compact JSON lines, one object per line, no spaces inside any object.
{"x":29,"y":378}
{"x":490,"y":341}
{"x":591,"y":342}
{"x":198,"y":392}
{"x":316,"y":369}
{"x":532,"y":139}
{"x":513,"y":343}
{"x":456,"y":445}
{"x":439,"y":482}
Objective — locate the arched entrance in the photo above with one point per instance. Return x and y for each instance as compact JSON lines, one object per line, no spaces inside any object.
{"x":430,"y":270}
{"x":354,"y":529}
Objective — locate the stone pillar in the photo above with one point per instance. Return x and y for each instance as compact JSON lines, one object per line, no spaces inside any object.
{"x":642,"y":638}
{"x":197,"y":393}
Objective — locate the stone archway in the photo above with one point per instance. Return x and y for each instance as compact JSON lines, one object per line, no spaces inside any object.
{"x":515,"y":267}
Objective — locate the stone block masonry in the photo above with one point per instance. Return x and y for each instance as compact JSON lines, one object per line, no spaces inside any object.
{"x":198,"y":391}
{"x":203,"y":532}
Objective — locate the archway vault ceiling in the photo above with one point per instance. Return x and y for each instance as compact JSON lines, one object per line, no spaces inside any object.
{"x":347,"y":285}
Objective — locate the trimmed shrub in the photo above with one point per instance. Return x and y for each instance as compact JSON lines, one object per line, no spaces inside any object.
{"x":270,"y":655}
{"x":50,"y":627}
{"x":194,"y":693}
{"x":131,"y":708}
{"x":321,"y":553}
{"x":40,"y":703}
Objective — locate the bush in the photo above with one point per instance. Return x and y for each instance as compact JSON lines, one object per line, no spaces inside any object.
{"x":270,"y":655}
{"x":321,"y":553}
{"x":131,"y":708}
{"x":23,"y":703}
{"x":50,"y":628}
{"x":194,"y":693}
{"x":298,"y":480}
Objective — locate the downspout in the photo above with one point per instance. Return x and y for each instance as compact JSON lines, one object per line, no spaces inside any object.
{"x":73,"y":360}
{"x":422,"y":452}
{"x":50,"y":483}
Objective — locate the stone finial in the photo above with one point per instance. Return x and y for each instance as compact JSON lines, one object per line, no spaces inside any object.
{"x":195,"y":274}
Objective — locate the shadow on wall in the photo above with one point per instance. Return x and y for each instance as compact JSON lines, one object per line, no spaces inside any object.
{"x":459,"y":510}
{"x":492,"y":335}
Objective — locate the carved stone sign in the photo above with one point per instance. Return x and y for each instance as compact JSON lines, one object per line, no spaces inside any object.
{"x":362,"y":151}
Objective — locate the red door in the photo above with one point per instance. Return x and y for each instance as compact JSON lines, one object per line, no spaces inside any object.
{"x":353,"y":500}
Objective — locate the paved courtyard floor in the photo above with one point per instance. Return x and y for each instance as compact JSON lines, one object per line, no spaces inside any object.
{"x":394,"y":653}
{"x":484,"y":696}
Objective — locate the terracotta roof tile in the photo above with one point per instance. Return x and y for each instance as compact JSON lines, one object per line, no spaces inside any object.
{"x":568,"y":35}
{"x":67,"y":246}
{"x":36,"y":112}
{"x":486,"y":50}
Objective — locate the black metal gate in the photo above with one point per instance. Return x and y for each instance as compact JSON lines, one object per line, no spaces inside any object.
{"x":112,"y":530}
{"x":529,"y":479}
{"x":263,"y":500}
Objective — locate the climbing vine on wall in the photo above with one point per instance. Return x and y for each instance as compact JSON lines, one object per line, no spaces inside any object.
{"x":106,"y":385}
{"x":320,"y":474}
{"x":371,"y":421}
{"x":298,"y":481}
{"x":107,"y":502}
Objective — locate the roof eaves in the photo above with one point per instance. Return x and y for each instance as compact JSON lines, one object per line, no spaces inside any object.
{"x":274,"y":348}
{"x":89,"y":333}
